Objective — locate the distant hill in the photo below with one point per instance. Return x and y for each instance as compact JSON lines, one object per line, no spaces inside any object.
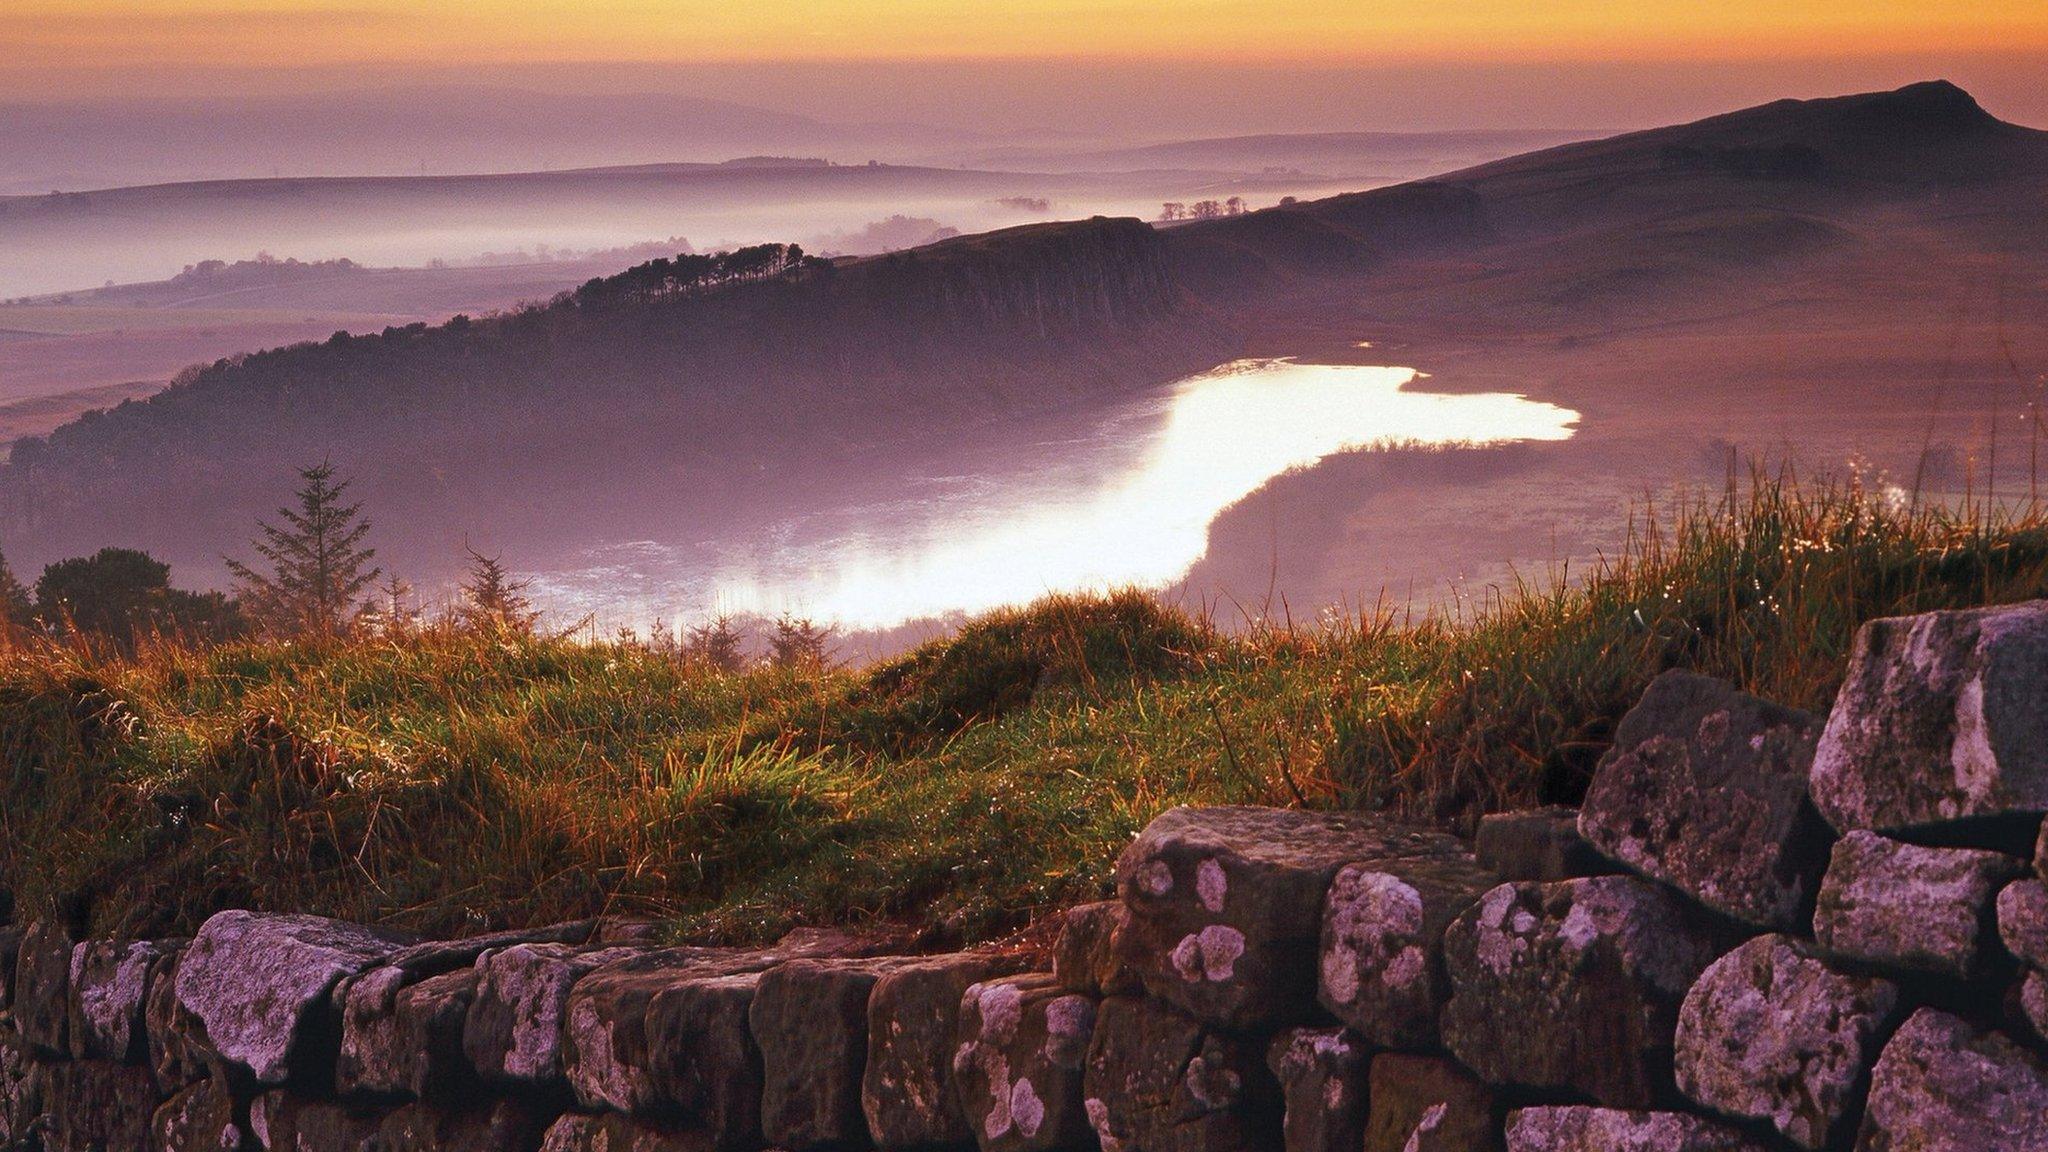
{"x":84,"y":144}
{"x":637,"y":406}
{"x":1350,"y":154}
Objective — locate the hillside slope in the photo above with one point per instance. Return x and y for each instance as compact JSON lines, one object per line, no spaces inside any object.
{"x":640,"y":415}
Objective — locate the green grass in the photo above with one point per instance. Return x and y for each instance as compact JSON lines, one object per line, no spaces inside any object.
{"x":445,"y":782}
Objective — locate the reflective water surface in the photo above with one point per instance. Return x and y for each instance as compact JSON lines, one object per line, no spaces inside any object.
{"x":1129,"y":502}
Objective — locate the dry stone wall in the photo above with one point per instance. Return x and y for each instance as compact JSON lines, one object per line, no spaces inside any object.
{"x":1765,"y":931}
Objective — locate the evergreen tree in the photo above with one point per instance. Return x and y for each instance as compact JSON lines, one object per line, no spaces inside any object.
{"x":799,"y":643}
{"x":492,"y":600}
{"x":394,"y":610}
{"x":318,"y":567}
{"x":717,"y":644}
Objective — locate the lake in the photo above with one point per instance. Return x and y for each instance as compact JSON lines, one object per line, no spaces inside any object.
{"x":1127,"y":503}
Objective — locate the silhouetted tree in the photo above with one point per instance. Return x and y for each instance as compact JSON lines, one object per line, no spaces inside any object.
{"x":1173,"y":210}
{"x":123,"y":594}
{"x":1234,"y":206}
{"x":15,"y":606}
{"x":799,"y":643}
{"x":1206,"y":210}
{"x":318,"y":567}
{"x":492,"y":601}
{"x":717,"y":644}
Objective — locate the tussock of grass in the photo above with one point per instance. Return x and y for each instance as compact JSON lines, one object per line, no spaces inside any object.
{"x":451,"y":781}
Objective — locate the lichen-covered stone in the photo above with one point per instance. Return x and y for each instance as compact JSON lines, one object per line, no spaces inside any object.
{"x":109,"y":991}
{"x":1020,"y":1047}
{"x":199,"y":1118}
{"x":42,"y":990}
{"x":1705,"y":789}
{"x":513,"y":1034}
{"x":96,"y":1106}
{"x":1226,"y":904}
{"x":1157,"y":1081}
{"x":1905,"y":906}
{"x":2023,"y":920}
{"x":1381,"y":965}
{"x":613,"y":1132}
{"x":1578,"y":1128}
{"x":1089,"y":956}
{"x":1573,"y":985}
{"x":260,"y":984}
{"x":1323,"y":1076}
{"x":1537,"y":844}
{"x":1771,"y":1032}
{"x":1939,"y":719}
{"x":810,"y":1020}
{"x":907,"y":1092}
{"x":1429,"y":1104}
{"x":1942,"y":1085}
{"x":400,"y":1038}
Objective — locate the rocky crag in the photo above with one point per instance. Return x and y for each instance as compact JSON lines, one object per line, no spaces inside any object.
{"x":1764,"y":930}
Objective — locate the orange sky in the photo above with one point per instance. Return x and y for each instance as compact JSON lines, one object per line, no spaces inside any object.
{"x":271,"y":33}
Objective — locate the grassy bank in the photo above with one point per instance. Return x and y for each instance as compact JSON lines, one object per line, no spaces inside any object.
{"x":449,"y":781}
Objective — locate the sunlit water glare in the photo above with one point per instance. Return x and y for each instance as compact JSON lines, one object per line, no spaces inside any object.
{"x":1137,"y":512}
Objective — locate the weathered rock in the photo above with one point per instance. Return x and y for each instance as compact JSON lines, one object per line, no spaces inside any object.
{"x":284,"y":1121}
{"x":1582,"y":1129}
{"x":260,"y":984}
{"x":1323,"y":1080}
{"x":10,"y":954}
{"x":1089,"y":956}
{"x":1156,"y":1081}
{"x":2028,"y":1005}
{"x":1381,"y":969}
{"x":1770,"y":1032}
{"x":666,"y":1033}
{"x":514,"y":1031}
{"x":42,"y":990}
{"x":1705,"y":789}
{"x":1226,"y":903}
{"x":404,"y":1039}
{"x":1927,"y":909}
{"x":1017,"y":1069}
{"x":433,"y":957}
{"x":1939,"y":720}
{"x":1942,"y":1085}
{"x":179,"y":1053}
{"x":907,"y":1092}
{"x":96,"y":1106}
{"x":2023,"y":920}
{"x":1573,"y":985}
{"x":810,"y":1020}
{"x":21,"y":1090}
{"x":199,"y":1118}
{"x":109,"y":990}
{"x":1428,"y":1104}
{"x":501,"y":1125}
{"x":613,"y":1132}
{"x":1537,"y":844}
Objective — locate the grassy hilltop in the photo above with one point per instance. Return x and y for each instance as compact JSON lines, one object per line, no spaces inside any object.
{"x":447,"y":781}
